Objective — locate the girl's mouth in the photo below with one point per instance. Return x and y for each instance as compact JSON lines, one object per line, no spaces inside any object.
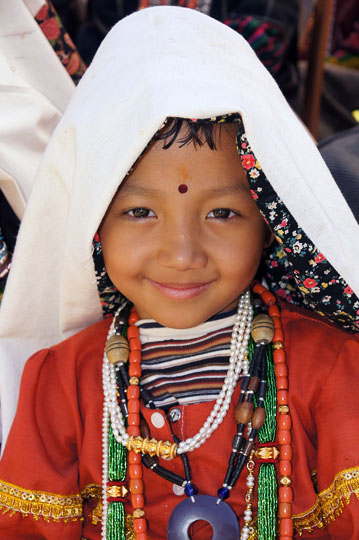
{"x":181,"y":291}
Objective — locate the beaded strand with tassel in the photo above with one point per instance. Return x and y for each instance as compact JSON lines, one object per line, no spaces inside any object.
{"x":285,"y":494}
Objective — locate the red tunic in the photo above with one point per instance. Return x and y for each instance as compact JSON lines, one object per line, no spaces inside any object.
{"x":52,"y":461}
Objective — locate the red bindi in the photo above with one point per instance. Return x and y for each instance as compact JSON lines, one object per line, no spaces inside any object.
{"x":182,"y":188}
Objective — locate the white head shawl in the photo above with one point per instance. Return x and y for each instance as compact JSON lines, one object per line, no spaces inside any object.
{"x":159,"y":62}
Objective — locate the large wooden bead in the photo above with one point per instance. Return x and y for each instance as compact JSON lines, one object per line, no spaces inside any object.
{"x":262,"y":329}
{"x":243,"y":412}
{"x":258,"y":418}
{"x":254,"y":383}
{"x":117,"y":349}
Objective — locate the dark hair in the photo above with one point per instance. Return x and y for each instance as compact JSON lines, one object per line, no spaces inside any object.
{"x":200,"y":132}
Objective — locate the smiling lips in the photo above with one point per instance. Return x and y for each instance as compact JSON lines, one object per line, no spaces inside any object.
{"x":181,"y":291}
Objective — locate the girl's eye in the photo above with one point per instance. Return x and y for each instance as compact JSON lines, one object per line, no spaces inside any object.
{"x":221,"y":213}
{"x":140,"y":212}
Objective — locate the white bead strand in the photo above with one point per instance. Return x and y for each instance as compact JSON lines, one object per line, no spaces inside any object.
{"x":105,"y":430}
{"x":239,"y":343}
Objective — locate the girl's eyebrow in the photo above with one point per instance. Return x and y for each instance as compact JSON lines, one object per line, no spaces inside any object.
{"x":231,"y":190}
{"x":133,"y":189}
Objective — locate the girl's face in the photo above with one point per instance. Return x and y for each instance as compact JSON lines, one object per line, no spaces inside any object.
{"x":182,"y":257}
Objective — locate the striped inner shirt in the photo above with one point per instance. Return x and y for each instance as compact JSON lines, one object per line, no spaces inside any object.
{"x":182,"y":366}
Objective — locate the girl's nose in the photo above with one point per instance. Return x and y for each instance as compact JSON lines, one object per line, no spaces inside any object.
{"x":181,"y":248}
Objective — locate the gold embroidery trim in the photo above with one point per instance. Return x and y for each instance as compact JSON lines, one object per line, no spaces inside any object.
{"x":53,"y":506}
{"x":40,"y":503}
{"x":330,"y":502}
{"x":92,"y":491}
{"x":329,"y":505}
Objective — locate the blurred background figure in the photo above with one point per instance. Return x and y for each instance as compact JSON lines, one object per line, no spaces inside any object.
{"x":329,"y":46}
{"x":269,"y":26}
{"x":311,"y":47}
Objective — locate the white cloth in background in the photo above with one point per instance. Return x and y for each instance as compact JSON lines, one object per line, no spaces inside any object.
{"x":34,"y":91}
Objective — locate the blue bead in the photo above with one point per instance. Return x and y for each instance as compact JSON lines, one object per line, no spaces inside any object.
{"x":190,"y":490}
{"x":223,"y":493}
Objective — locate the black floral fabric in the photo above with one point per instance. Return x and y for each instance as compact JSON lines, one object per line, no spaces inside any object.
{"x":294,"y":268}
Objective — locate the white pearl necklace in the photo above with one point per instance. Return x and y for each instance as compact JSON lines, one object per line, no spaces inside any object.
{"x":105,"y":434}
{"x":237,"y":365}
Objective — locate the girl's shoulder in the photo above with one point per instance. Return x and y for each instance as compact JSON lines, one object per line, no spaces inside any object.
{"x":89,"y":340}
{"x":82,"y":351}
{"x":305,"y":325}
{"x":317,"y":350}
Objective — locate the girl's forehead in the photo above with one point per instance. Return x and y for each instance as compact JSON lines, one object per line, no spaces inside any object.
{"x":191,"y":162}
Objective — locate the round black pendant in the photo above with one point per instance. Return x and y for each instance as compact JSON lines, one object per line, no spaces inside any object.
{"x":220,"y":516}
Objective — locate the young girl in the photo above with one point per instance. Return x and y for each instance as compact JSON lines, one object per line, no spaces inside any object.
{"x":153,"y":185}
